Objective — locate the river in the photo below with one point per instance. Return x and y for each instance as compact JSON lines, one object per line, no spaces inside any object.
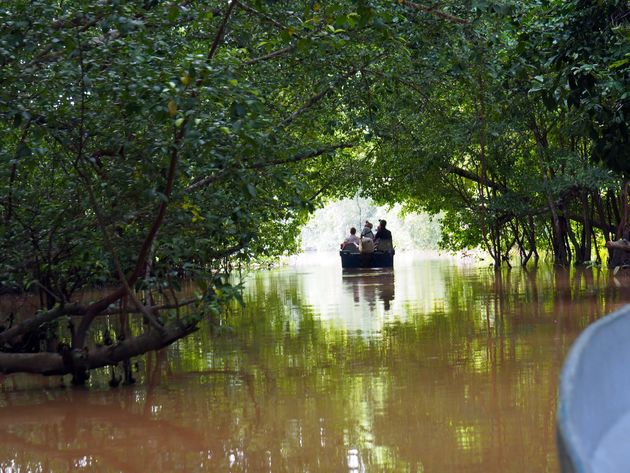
{"x":441,"y":365}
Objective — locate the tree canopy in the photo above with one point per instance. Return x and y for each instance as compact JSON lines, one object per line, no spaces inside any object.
{"x":146,"y":141}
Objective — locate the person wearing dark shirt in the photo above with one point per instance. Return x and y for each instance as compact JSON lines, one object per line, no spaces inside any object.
{"x":383,"y":238}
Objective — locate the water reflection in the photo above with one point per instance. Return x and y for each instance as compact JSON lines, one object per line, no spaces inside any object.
{"x":432,"y":367}
{"x":354,"y":461}
{"x":370,"y":286}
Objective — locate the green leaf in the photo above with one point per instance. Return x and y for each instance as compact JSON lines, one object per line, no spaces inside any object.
{"x":303,"y":44}
{"x":620,"y":63}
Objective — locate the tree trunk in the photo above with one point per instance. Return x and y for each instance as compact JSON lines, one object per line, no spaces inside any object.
{"x":557,"y":235}
{"x":622,"y":229}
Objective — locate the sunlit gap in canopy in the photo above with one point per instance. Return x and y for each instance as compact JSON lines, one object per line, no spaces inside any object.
{"x":329,"y":225}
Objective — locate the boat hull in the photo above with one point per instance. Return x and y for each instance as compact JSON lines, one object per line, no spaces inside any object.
{"x":378,"y":259}
{"x":593,"y":416}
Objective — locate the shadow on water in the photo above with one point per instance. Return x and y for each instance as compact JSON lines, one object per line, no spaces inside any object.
{"x":435,"y":366}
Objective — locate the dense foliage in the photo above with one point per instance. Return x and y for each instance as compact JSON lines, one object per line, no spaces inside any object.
{"x":144,"y":141}
{"x":519,"y":132}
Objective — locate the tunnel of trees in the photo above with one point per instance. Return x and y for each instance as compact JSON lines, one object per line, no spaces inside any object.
{"x":146,"y":142}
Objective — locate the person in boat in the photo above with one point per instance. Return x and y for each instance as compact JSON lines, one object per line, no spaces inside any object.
{"x":367,"y":230}
{"x":367,"y":238}
{"x":352,"y":241}
{"x":367,"y":245}
{"x":383,"y":237}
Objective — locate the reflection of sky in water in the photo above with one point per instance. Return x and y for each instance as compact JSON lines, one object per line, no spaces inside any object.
{"x":367,"y":299}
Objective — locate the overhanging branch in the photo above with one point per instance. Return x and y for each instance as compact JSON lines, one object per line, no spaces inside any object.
{"x":264,"y":16}
{"x":301,"y":156}
{"x":271,"y":55}
{"x":314,"y":99}
{"x":476,"y":178}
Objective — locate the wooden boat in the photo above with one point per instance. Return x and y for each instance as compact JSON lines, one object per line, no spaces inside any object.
{"x":593,"y":417}
{"x":377,"y":259}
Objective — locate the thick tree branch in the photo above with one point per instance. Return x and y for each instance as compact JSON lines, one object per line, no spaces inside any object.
{"x":98,"y":306}
{"x":35,"y":363}
{"x":33,"y":323}
{"x":48,"y":363}
{"x":148,"y":316}
{"x":148,"y":341}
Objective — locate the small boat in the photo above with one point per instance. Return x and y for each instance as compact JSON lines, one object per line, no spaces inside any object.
{"x":377,"y":259}
{"x":593,"y":417}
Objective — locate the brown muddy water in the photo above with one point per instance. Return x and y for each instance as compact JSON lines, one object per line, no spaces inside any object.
{"x":438,"y":366}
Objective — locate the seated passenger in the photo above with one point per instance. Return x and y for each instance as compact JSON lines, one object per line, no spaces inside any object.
{"x":352,"y":242}
{"x":367,"y":245}
{"x":383,"y":238}
{"x":367,"y":231}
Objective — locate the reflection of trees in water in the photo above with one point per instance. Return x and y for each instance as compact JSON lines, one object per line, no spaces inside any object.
{"x":196,"y":426}
{"x":73,"y":431}
{"x":469,"y":385}
{"x":166,"y":426}
{"x":485,"y":371}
